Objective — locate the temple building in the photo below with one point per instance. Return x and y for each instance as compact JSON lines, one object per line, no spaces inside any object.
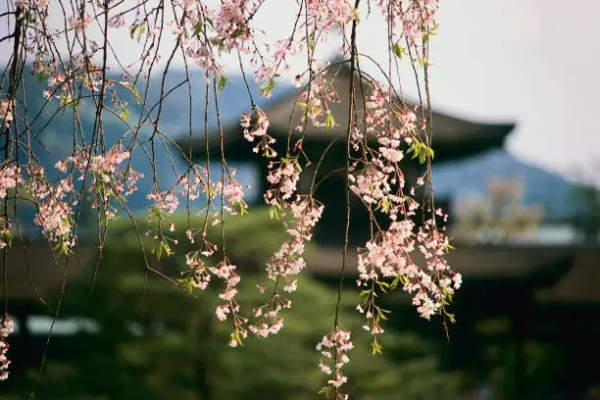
{"x":515,"y":297}
{"x":454,"y":139}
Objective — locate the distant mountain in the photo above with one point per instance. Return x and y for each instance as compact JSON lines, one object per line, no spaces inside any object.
{"x":467,"y":179}
{"x":462,"y":180}
{"x":55,"y":128}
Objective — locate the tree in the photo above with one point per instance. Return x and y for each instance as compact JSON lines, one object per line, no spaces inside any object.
{"x":501,"y":215}
{"x":176,"y":349}
{"x":70,"y":45}
{"x":586,"y":221}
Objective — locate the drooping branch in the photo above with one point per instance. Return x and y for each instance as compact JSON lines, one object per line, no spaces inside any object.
{"x":72,"y":48}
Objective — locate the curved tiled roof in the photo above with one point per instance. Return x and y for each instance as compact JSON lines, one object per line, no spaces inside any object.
{"x":452,"y":138}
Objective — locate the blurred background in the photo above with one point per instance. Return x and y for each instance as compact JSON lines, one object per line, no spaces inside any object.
{"x":517,"y":162}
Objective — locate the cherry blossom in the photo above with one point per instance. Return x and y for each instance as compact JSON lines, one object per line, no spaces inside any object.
{"x":334,"y":350}
{"x":6,"y":328}
{"x":7,"y":108}
{"x":164,"y":201}
{"x":383,"y":137}
{"x":10,"y":177}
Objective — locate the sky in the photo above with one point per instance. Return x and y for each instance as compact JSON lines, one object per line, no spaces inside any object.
{"x":534,"y":62}
{"x":530,"y":62}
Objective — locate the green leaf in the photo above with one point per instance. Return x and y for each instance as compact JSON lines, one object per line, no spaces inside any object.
{"x":356,"y":16}
{"x":236,"y":335}
{"x":7,"y":238}
{"x":329,"y":121}
{"x":421,"y":151}
{"x":222,"y":83}
{"x":141,"y":32}
{"x":267,"y":88}
{"x":124,"y":114}
{"x":198,"y":28}
{"x":132,"y":30}
{"x":376,"y":347}
{"x":217,"y":42}
{"x":159,"y":251}
{"x":325,"y":391}
{"x":137,"y":95}
{"x":273,"y":213}
{"x":187,"y":284}
{"x":399,"y":50}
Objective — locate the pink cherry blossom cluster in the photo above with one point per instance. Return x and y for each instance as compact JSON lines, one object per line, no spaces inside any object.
{"x":193,"y":184}
{"x":227,"y":272}
{"x":283,"y":177}
{"x":199,"y":273}
{"x":288,"y":261}
{"x":224,"y":27}
{"x":269,"y":69}
{"x":316,"y":98}
{"x":10,"y":176}
{"x":107,"y":180}
{"x":233,"y":193}
{"x":285,"y":265}
{"x":268,"y":322}
{"x":54,"y":208}
{"x":55,"y":201}
{"x":25,"y":4}
{"x":7,"y":109}
{"x":416,"y":17}
{"x":197,"y":183}
{"x":231,"y":23}
{"x":387,"y":256}
{"x":329,"y":14}
{"x":200,"y":276}
{"x":382,"y":136}
{"x":80,"y":23}
{"x":334,"y":349}
{"x":440,"y":282}
{"x":258,"y":132}
{"x":166,"y":201}
{"x":6,"y":328}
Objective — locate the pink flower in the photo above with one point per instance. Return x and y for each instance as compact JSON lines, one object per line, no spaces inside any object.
{"x":222,"y":312}
{"x":7,"y":108}
{"x":164,"y":201}
{"x":234,"y":192}
{"x":6,"y":328}
{"x":392,"y":155}
{"x":228,"y":295}
{"x":337,"y":342}
{"x":78,"y":23}
{"x":9,"y":179}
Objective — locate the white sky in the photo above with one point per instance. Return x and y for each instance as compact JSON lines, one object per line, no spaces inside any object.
{"x":532,"y":62}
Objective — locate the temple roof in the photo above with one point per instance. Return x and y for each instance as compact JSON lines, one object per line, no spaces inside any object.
{"x":579,"y":285}
{"x":453,"y":137}
{"x":561,"y":274}
{"x":473,"y":261}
